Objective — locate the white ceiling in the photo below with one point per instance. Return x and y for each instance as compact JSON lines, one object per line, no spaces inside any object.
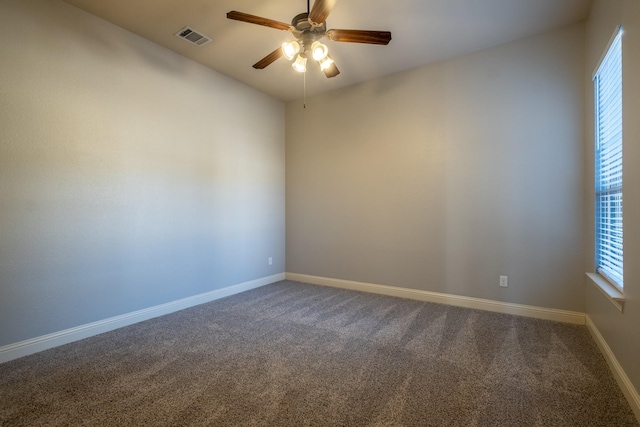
{"x":423,"y":31}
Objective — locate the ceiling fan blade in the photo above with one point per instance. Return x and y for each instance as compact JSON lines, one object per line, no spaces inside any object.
{"x":320,"y":11}
{"x":331,"y":70}
{"x":360,"y":36}
{"x":252,"y":19}
{"x":268,"y":60}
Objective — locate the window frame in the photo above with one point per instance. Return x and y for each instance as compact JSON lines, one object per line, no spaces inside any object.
{"x":612,"y":268}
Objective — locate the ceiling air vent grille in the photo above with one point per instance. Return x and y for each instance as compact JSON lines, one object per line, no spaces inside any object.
{"x":192,"y":36}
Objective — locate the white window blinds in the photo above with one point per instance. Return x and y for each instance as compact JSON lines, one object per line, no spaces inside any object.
{"x":608,"y":133}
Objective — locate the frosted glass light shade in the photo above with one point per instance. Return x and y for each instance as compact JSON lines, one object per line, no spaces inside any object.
{"x":319,"y":51}
{"x":289,"y":49}
{"x":300,"y":64}
{"x":326,"y":63}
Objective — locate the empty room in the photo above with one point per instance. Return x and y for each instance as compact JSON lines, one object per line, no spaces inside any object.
{"x":320,"y":213}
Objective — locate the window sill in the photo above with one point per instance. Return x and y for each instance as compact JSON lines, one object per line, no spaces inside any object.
{"x":612,"y":293}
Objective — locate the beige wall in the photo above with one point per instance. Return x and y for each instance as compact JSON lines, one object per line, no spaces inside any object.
{"x":129,"y":175}
{"x":620,"y":330}
{"x":444,"y":177}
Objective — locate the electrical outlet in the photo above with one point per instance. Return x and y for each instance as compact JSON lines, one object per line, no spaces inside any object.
{"x":504,"y":281}
{"x":270,"y":261}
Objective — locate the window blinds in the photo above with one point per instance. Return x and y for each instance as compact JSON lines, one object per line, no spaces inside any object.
{"x":608,"y":118}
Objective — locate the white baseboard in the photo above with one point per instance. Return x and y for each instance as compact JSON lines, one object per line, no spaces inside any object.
{"x":573,"y":317}
{"x":619,"y":374}
{"x":34,"y":345}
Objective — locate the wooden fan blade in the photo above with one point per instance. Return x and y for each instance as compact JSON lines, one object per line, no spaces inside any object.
{"x":331,"y":70}
{"x":268,"y":60}
{"x":320,"y":11}
{"x":252,"y":19}
{"x":360,"y":36}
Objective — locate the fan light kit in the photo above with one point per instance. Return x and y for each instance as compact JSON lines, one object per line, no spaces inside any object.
{"x":308,"y":28}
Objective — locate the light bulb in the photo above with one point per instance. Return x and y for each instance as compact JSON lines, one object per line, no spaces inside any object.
{"x":325,"y":63}
{"x":300,"y":64}
{"x":289,"y":49}
{"x":319,"y":51}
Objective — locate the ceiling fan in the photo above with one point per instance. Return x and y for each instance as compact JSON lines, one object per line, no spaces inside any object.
{"x":308,"y":28}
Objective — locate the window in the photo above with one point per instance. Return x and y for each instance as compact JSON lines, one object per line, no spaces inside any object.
{"x":608,"y":165}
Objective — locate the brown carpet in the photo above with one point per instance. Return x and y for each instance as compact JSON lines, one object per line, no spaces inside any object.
{"x":291,"y":354}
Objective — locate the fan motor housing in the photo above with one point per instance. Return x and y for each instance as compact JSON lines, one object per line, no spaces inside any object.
{"x":305,"y":32}
{"x":302,"y":24}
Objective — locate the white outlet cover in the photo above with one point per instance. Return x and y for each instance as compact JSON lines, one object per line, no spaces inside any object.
{"x":504,"y":281}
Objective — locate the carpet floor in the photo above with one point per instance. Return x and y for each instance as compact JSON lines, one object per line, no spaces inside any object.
{"x":291,"y":354}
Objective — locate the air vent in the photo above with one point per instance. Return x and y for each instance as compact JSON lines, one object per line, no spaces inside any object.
{"x":192,"y":36}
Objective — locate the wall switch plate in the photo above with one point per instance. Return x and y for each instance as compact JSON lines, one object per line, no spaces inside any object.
{"x":504,"y":281}
{"x":270,"y":261}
